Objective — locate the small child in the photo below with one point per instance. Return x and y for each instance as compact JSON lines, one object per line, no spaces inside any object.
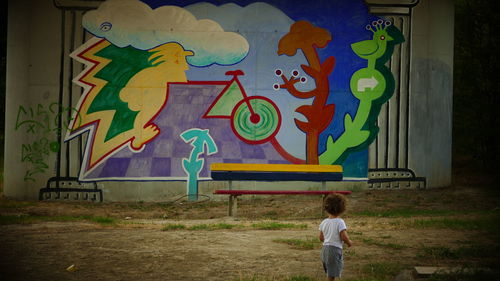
{"x":333,"y":231}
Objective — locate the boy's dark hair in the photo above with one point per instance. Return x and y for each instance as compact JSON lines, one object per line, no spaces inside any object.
{"x":335,"y":204}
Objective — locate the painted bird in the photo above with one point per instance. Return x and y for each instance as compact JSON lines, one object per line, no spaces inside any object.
{"x":373,"y":49}
{"x":146,"y":92}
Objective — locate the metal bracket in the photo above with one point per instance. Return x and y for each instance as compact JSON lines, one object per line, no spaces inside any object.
{"x":71,"y":189}
{"x":394,"y":178}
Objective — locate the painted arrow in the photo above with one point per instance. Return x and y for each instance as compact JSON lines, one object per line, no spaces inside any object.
{"x":201,"y":141}
{"x":367,"y":83}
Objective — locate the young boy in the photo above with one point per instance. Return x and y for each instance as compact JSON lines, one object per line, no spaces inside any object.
{"x":333,"y":231}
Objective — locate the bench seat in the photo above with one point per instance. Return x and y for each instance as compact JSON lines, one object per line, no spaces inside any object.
{"x":274,"y":172}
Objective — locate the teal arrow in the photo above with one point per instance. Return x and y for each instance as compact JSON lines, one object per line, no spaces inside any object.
{"x":201,"y":141}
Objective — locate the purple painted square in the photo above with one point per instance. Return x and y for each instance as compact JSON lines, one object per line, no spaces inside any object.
{"x":182,"y":150}
{"x":115,"y":167}
{"x":278,"y":162}
{"x":160,"y":167}
{"x":254,"y":152}
{"x":148,"y":150}
{"x":229,"y":160}
{"x":139,"y":166}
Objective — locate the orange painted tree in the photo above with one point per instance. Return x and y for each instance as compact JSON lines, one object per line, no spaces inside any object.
{"x":308,"y":38}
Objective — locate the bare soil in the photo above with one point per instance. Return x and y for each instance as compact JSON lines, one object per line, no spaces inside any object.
{"x":136,"y":247}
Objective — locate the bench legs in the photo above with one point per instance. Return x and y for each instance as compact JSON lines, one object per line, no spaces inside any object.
{"x":232,"y":210}
{"x":233,"y":205}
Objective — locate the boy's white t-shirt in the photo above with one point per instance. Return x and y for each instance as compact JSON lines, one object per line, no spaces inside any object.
{"x":331,"y":229}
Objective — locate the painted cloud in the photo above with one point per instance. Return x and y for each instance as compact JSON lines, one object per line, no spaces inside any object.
{"x":131,"y":22}
{"x":262,"y":25}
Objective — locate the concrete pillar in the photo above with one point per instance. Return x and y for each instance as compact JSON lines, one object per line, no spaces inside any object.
{"x":431,"y":83}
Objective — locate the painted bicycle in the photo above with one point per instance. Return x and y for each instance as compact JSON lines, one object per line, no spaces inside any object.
{"x":254,"y":119}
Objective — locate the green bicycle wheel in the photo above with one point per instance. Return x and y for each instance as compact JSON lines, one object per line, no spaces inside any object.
{"x":259,"y":127}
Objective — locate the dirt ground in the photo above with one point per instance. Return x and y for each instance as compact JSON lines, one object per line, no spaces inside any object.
{"x":136,"y":246}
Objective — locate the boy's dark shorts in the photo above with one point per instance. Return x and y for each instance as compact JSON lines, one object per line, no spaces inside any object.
{"x":333,"y":261}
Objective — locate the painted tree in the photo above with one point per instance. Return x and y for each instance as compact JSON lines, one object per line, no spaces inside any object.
{"x":308,"y":38}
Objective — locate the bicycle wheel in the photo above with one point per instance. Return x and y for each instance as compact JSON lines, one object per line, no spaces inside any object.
{"x":259,"y":127}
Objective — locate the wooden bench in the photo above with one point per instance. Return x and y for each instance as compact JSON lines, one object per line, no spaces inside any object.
{"x":274,"y":172}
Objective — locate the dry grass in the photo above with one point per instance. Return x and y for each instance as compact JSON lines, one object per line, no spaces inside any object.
{"x":392,"y":230}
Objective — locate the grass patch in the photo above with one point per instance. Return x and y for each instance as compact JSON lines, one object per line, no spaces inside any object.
{"x":217,"y":226}
{"x":103,"y":220}
{"x":200,"y":227}
{"x":10,"y":219}
{"x":173,"y":227}
{"x":290,"y":278}
{"x":27,"y":219}
{"x":374,"y":242}
{"x":466,"y":274}
{"x":484,"y":224}
{"x":271,"y":215}
{"x":8,"y":204}
{"x":437,"y":252}
{"x":221,"y":226}
{"x":277,"y":225}
{"x":224,"y":226}
{"x":299,"y":278}
{"x":382,"y":270}
{"x":402,"y":213}
{"x":301,"y":244}
{"x":467,"y":252}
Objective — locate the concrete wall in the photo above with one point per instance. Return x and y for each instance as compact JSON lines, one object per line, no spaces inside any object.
{"x":432,"y":89}
{"x":413,"y":146}
{"x":31,"y":85}
{"x":46,"y":72}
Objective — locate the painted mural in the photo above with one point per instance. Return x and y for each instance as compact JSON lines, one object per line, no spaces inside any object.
{"x":173,"y":86}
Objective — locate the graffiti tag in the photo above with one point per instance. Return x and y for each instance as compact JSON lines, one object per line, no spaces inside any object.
{"x":40,"y":121}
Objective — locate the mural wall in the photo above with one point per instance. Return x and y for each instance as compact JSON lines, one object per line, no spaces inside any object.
{"x":171,"y":87}
{"x":133,"y":100}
